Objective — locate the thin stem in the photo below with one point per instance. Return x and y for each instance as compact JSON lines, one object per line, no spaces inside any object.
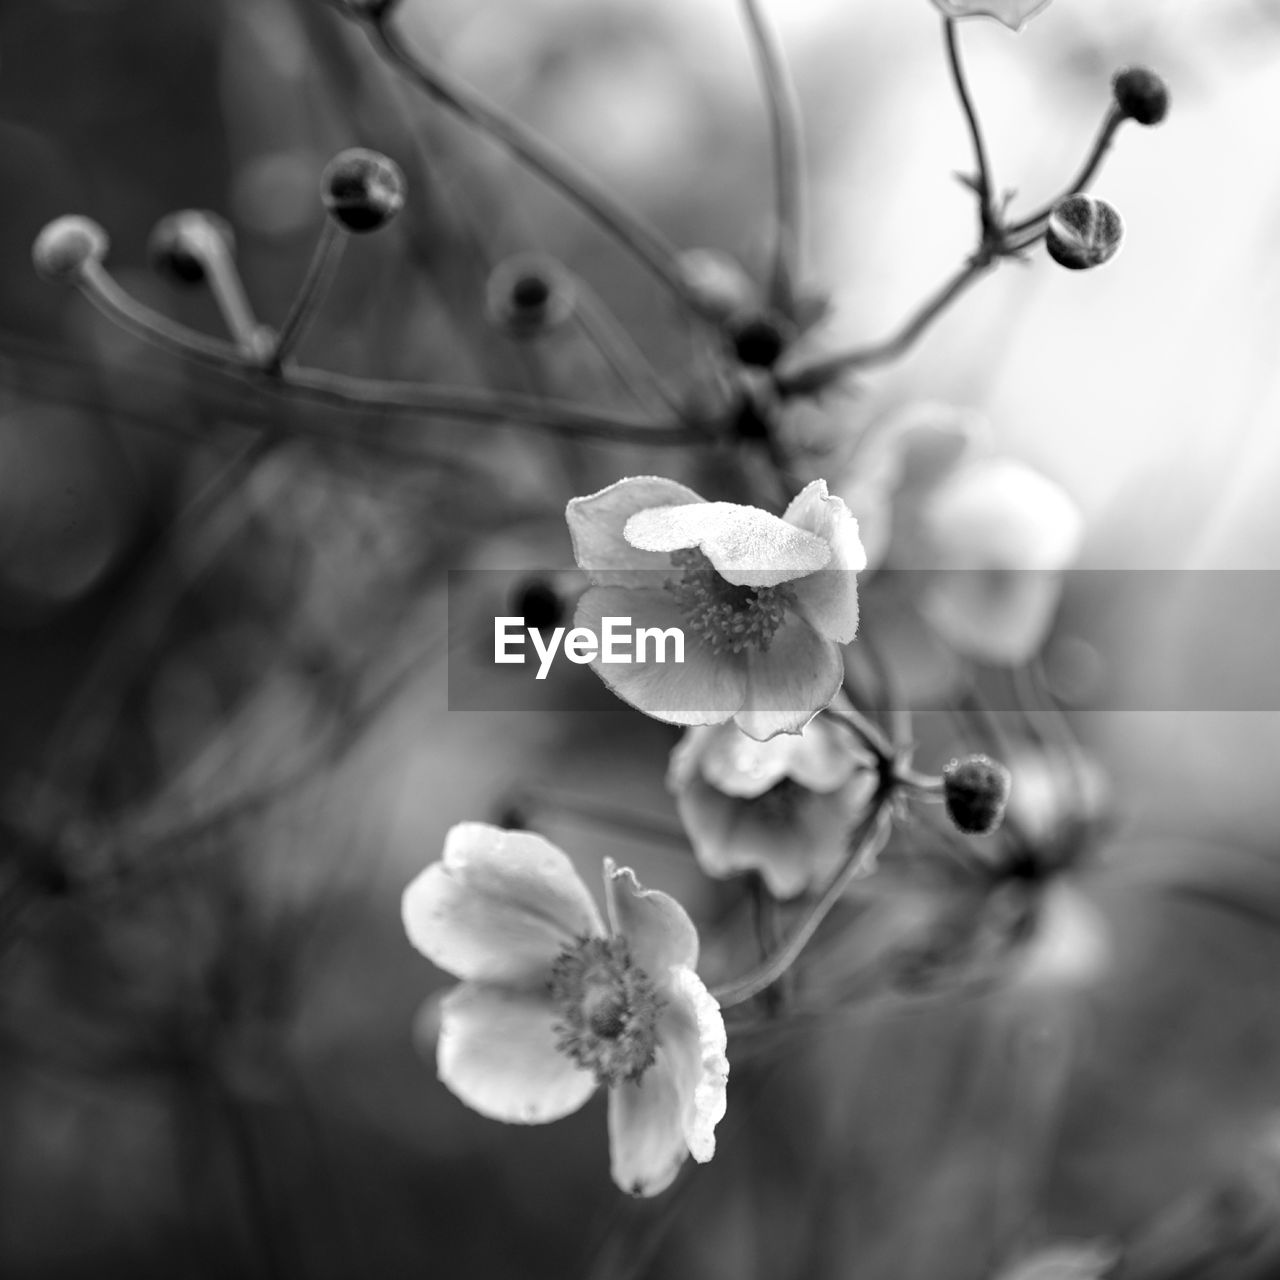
{"x":631,"y":232}
{"x":986,"y":211}
{"x":228,"y":292}
{"x":461,"y":403}
{"x":620,"y":351}
{"x":786,"y":137}
{"x":1032,"y":225}
{"x":865,"y":728}
{"x":866,"y":844}
{"x":311,"y":293}
{"x":811,"y":378}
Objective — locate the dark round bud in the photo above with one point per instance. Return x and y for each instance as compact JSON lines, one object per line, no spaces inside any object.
{"x":66,"y":246}
{"x":976,"y":790}
{"x":1083,"y":232}
{"x":181,"y":243}
{"x":1141,"y":95}
{"x":528,"y":295}
{"x":363,"y":190}
{"x":538,"y":602}
{"x":758,"y":342}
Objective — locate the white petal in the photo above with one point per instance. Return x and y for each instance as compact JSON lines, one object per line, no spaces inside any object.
{"x":1013,"y":13}
{"x":706,"y":688}
{"x":1000,"y":513}
{"x":657,"y":928}
{"x":596,"y":523}
{"x":747,"y":546}
{"x":674,"y":1109}
{"x":497,"y":1053}
{"x":790,"y":683}
{"x":499,"y":907}
{"x":828,"y":599}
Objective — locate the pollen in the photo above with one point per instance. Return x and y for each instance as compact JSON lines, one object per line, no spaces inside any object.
{"x":609,"y":1010}
{"x":725,"y":616}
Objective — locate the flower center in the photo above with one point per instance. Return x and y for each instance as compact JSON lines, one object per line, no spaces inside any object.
{"x":609,"y":1009}
{"x":777,"y":806}
{"x":725,"y":616}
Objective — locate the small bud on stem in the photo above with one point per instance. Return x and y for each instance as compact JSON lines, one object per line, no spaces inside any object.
{"x":66,"y":246}
{"x":976,"y":789}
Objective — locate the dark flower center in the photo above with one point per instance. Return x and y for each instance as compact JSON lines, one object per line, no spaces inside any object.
{"x":777,"y":806}
{"x":609,"y":1009}
{"x":726,"y":617}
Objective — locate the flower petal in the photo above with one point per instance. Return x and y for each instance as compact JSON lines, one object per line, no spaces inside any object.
{"x":675,"y":1107}
{"x":497,"y":1052}
{"x":788,"y":684}
{"x":657,"y":928}
{"x":747,"y":546}
{"x":1000,"y":513}
{"x":596,"y":523}
{"x":1000,"y":616}
{"x":705,"y":688}
{"x":828,"y":599}
{"x":822,"y":757}
{"x":1013,"y":13}
{"x":499,"y":907}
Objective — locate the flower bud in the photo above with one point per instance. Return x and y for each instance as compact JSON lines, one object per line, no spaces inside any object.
{"x":66,"y":246}
{"x":1083,"y":232}
{"x":758,"y":341}
{"x":976,"y":789}
{"x":529,"y":295}
{"x":722,"y":289}
{"x":363,"y":190}
{"x":180,"y":244}
{"x":1140,"y":95}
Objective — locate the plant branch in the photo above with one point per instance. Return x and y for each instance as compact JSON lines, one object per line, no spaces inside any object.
{"x":786,"y":137}
{"x":986,"y":211}
{"x":632,"y":233}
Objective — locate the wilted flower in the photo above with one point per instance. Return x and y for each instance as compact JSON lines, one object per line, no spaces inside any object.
{"x":783,"y":808}
{"x":552,"y":1004}
{"x":1013,"y":13}
{"x":763,"y":601}
{"x":988,"y":536}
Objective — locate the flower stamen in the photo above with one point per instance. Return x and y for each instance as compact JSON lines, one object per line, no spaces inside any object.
{"x":725,"y":616}
{"x":609,"y":1010}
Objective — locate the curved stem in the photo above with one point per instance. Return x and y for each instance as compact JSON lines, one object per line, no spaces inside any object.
{"x":866,"y":844}
{"x":786,"y":135}
{"x":641,"y":240}
{"x":811,"y":378}
{"x":986,"y":212}
{"x":311,"y":294}
{"x":342,"y":391}
{"x":1032,"y":226}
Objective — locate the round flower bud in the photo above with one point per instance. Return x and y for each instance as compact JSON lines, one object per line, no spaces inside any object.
{"x":528,"y":295}
{"x":1140,"y":95}
{"x":66,"y":246}
{"x":976,"y":789}
{"x":180,"y":244}
{"x":759,"y":341}
{"x":363,"y":190}
{"x":1083,"y":232}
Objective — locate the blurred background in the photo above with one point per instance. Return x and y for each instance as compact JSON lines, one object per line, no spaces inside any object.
{"x":226,"y":728}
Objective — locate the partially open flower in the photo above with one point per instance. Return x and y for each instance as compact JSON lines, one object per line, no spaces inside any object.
{"x":553,"y":1004}
{"x":983,"y":539}
{"x":783,"y":808}
{"x":763,"y":602}
{"x":1013,"y":13}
